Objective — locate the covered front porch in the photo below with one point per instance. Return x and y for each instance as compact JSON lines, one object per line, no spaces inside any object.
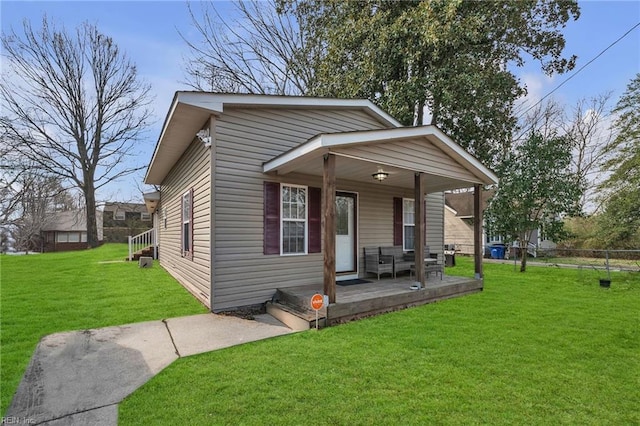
{"x":411,"y":160}
{"x":367,"y":298}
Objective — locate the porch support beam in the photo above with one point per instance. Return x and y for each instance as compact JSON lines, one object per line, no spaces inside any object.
{"x":419,"y":228}
{"x":477,"y":231}
{"x":329,"y":225}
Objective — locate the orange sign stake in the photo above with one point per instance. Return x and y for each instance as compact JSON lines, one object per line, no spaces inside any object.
{"x":317,"y":301}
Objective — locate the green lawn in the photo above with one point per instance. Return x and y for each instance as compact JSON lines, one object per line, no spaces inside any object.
{"x":546,"y":347}
{"x":47,"y":293}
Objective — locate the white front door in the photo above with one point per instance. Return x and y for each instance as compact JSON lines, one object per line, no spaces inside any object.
{"x":346,"y":233}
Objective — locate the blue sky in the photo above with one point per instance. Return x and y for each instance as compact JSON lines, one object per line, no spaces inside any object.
{"x":148,"y":32}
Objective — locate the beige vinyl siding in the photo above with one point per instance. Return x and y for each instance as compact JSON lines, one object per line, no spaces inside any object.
{"x":458,"y":232}
{"x":376,"y":218}
{"x":412,"y":155}
{"x":435,"y":223}
{"x":191,"y":171}
{"x":246,"y":138}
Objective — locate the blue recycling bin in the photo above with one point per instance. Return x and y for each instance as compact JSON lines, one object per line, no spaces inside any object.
{"x":497,"y":252}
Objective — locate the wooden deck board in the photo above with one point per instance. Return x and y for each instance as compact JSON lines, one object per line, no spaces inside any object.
{"x":378,"y":296}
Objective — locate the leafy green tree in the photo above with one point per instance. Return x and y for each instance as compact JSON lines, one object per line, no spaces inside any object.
{"x":448,"y":56}
{"x":619,"y":223}
{"x":537,"y":189}
{"x":620,"y":219}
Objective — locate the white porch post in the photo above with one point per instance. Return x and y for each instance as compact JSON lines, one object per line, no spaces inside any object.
{"x":477,"y":231}
{"x":329,"y":225}
{"x":419,"y":229}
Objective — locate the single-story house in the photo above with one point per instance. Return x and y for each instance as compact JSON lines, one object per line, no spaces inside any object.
{"x":121,"y":220}
{"x":459,"y":219}
{"x":458,"y":233}
{"x":263,"y":192}
{"x":67,"y":230}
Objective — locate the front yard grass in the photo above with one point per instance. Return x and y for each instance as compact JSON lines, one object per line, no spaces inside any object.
{"x":47,"y":293}
{"x":549,"y":346}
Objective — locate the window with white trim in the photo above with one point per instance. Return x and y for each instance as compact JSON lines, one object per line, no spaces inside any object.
{"x":294,"y":219}
{"x":145,"y":216}
{"x":164,"y":217}
{"x":119,"y":215}
{"x":408,"y":223}
{"x":187,"y":225}
{"x":494,"y":238}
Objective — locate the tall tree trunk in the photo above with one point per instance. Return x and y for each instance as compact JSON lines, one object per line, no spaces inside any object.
{"x":418,"y":113}
{"x":523,"y":254}
{"x":90,"y":206}
{"x":435,"y":112}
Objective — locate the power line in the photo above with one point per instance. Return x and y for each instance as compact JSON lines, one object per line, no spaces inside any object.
{"x":580,"y":69}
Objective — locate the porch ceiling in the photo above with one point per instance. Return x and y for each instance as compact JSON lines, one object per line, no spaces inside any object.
{"x":401,"y":152}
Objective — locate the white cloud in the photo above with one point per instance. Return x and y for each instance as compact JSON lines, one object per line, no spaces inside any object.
{"x":537,"y":85}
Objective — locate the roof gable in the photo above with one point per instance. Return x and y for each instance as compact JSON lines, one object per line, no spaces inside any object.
{"x":190,"y":111}
{"x":425,"y":149}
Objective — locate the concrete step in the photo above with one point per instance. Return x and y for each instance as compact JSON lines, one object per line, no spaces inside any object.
{"x":147,"y":252}
{"x":293,"y":318}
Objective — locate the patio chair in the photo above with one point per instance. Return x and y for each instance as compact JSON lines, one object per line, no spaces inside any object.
{"x":437,"y":267}
{"x":375,"y":263}
{"x":429,"y":267}
{"x":401,"y":262}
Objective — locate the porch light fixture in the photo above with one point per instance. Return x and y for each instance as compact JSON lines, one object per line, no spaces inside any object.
{"x":380,"y":175}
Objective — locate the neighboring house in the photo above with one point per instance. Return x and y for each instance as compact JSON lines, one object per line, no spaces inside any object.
{"x":122,"y":220}
{"x":459,"y":226}
{"x":457,"y":232}
{"x":240,"y":212}
{"x":459,"y":216}
{"x":67,"y":230}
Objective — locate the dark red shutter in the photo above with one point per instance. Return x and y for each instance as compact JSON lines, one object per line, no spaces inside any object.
{"x":315,"y":223}
{"x":397,"y":222}
{"x":191,"y":248}
{"x":271,"y":244}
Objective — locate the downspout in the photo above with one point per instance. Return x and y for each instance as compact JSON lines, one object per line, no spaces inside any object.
{"x":212,"y":210}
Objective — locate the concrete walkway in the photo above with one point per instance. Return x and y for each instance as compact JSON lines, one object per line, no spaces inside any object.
{"x":79,"y":377}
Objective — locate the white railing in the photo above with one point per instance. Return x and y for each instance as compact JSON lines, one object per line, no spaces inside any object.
{"x":142,"y":241}
{"x":532,"y":249}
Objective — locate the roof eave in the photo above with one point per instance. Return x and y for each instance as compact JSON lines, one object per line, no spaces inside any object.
{"x":215,"y":103}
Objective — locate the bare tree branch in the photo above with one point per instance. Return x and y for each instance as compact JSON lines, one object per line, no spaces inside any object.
{"x":262,"y":51}
{"x":586,"y":126}
{"x":74,"y":106}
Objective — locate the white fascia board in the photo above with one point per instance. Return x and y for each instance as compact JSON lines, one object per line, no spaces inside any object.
{"x":152,"y":196}
{"x":300,"y":151}
{"x":172,"y":108}
{"x":216,"y":102}
{"x":333,"y":140}
{"x":450,"y":209}
{"x":208,"y":101}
